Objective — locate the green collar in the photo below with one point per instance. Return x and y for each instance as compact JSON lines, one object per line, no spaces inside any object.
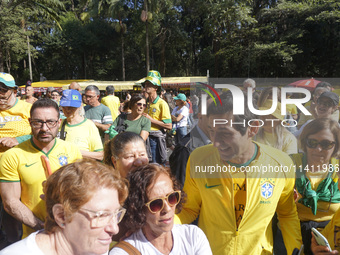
{"x":156,"y":100}
{"x":35,"y":146}
{"x":249,"y":161}
{"x":74,"y":125}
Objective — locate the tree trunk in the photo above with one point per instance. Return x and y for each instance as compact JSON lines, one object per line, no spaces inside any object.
{"x":123,"y":55}
{"x":8,"y":61}
{"x":1,"y":60}
{"x":147,"y":47}
{"x":162,"y":67}
{"x":147,"y":38}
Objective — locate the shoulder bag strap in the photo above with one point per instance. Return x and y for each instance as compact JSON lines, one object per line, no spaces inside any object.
{"x":62,"y":130}
{"x":129,"y":248}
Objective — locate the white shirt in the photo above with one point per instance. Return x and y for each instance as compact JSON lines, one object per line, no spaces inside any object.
{"x":26,"y":246}
{"x":188,"y":240}
{"x":185,"y":113}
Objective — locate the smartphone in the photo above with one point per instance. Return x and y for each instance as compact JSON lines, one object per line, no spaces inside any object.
{"x":320,"y":239}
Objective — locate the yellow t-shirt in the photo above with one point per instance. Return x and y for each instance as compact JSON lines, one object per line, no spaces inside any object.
{"x":332,"y":232}
{"x":85,"y":135}
{"x":291,"y":109}
{"x":289,"y":145}
{"x":23,"y":164}
{"x":113,"y":103}
{"x":158,"y":110}
{"x":14,"y":121}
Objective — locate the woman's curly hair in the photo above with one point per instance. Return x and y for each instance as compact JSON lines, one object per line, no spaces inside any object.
{"x":140,"y":181}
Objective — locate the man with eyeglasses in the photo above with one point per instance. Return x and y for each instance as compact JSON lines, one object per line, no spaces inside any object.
{"x":14,"y":114}
{"x":326,"y":106}
{"x":95,"y":111}
{"x":21,"y":168}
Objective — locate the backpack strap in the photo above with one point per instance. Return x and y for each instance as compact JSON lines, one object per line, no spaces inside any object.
{"x":62,"y":130}
{"x":129,"y":248}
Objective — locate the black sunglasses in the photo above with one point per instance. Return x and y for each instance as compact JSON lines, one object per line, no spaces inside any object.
{"x":3,"y":88}
{"x":325,"y":144}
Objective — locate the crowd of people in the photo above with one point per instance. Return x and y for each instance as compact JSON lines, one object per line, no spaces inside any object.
{"x":80,"y":173}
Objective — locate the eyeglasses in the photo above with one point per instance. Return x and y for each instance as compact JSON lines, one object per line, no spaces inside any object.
{"x":325,"y":144}
{"x":102,"y":218}
{"x":40,"y":123}
{"x":157,"y":204}
{"x":6,"y":99}
{"x":140,"y":104}
{"x":325,"y":103}
{"x":90,"y":97}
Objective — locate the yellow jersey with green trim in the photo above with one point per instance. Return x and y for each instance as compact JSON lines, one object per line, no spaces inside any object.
{"x":211,"y":197}
{"x":158,"y":110}
{"x":113,"y":103}
{"x":332,"y":232}
{"x":85,"y":135}
{"x":23,"y":164}
{"x":14,"y":121}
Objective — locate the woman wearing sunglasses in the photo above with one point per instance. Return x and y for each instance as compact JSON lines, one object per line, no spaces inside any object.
{"x":318,"y":196}
{"x":84,"y":206}
{"x":154,"y":197}
{"x":135,"y":122}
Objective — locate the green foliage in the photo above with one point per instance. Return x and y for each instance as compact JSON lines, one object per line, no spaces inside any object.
{"x":106,"y":39}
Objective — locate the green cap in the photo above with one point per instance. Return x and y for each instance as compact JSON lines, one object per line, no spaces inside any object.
{"x":180,"y":96}
{"x":8,"y":80}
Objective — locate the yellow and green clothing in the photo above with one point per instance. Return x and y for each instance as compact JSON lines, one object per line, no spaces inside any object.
{"x":291,"y":109}
{"x":23,"y":164}
{"x":85,"y":135}
{"x":289,"y":143}
{"x":324,"y":210}
{"x":113,"y":103}
{"x":14,"y":121}
{"x":332,"y":232}
{"x":211,"y":197}
{"x":158,"y":110}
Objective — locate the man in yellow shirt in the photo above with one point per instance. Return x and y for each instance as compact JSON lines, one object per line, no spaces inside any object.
{"x":21,"y":170}
{"x":111,"y":101}
{"x":14,"y":114}
{"x":228,"y":188}
{"x":158,"y":112}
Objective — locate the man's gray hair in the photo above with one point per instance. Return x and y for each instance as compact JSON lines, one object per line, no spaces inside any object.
{"x":251,"y":82}
{"x":93,"y":88}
